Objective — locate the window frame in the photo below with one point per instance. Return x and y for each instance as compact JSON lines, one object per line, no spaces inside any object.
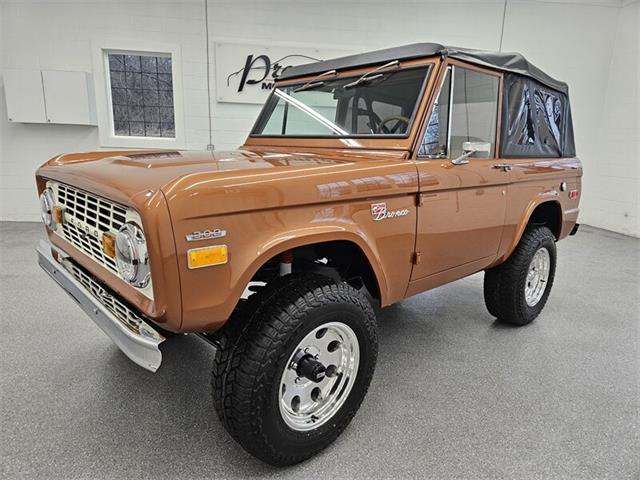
{"x":413,"y":120}
{"x":104,"y":106}
{"x":445,"y":66}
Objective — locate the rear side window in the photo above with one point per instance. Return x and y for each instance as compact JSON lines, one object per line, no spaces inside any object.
{"x":469,"y":114}
{"x":536,"y":120}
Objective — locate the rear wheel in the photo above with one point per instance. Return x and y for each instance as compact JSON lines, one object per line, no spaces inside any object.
{"x":517,"y":290}
{"x":294,"y":365}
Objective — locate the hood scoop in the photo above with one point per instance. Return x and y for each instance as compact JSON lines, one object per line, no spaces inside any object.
{"x":149,"y":160}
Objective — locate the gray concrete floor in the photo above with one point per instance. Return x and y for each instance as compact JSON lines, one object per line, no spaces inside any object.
{"x":455,"y":395}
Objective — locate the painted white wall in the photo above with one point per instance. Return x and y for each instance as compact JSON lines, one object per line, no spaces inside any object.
{"x":3,"y":113}
{"x":613,"y":178}
{"x":598,"y":57}
{"x":591,"y":44}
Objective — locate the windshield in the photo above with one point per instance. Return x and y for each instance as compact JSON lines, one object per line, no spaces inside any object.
{"x":382,"y":105}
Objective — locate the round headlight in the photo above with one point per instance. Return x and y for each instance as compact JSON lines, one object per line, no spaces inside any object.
{"x":132,"y":258}
{"x":46,"y":207}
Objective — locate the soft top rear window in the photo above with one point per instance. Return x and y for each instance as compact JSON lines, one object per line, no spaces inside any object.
{"x":383,"y":104}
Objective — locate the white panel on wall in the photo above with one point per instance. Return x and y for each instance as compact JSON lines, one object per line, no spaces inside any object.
{"x":24,"y":96}
{"x":49,"y":96}
{"x":69,"y":97}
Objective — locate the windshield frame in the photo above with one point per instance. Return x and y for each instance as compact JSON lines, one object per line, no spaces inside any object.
{"x":354,"y":74}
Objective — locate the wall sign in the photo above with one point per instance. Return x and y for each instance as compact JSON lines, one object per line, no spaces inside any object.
{"x":245,"y":72}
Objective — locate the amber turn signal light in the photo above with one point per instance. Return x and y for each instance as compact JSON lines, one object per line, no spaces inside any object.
{"x":109,"y":245}
{"x":207,"y":256}
{"x":57,"y":213}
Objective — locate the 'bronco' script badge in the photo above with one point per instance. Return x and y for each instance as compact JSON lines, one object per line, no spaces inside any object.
{"x":379,"y":212}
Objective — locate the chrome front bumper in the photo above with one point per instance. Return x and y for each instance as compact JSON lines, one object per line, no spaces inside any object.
{"x":140,"y":344}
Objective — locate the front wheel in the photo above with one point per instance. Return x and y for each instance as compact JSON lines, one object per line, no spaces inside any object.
{"x":517,"y":290}
{"x":293,"y":367}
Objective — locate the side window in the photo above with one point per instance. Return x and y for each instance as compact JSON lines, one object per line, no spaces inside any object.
{"x":474,"y":110}
{"x":470,"y":114}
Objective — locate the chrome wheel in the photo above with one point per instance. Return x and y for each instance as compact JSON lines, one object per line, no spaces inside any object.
{"x":319,"y":376}
{"x":537,"y":277}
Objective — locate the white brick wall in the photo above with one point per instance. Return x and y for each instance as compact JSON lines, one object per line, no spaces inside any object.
{"x":572,"y":40}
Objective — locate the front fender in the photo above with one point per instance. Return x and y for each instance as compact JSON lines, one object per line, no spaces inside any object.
{"x":210,"y":294}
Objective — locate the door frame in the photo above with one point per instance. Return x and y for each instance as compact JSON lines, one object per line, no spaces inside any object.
{"x":435,"y":91}
{"x":445,"y":276}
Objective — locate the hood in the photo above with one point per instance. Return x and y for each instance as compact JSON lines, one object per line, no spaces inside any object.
{"x":300,"y":177}
{"x":133,"y":172}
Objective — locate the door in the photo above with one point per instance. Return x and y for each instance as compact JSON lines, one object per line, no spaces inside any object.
{"x":462,"y":198}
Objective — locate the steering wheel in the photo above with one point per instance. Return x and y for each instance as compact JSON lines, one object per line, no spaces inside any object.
{"x":399,"y":121}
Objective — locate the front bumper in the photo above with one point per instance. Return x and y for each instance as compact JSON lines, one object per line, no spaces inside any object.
{"x":136,"y":339}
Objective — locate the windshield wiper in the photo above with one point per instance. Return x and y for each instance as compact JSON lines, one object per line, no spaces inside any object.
{"x":313,"y":83}
{"x":367,"y":77}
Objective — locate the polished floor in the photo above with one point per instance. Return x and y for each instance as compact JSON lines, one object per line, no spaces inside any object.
{"x":455,"y":395}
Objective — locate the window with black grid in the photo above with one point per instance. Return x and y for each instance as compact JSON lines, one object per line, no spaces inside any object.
{"x":141,"y":95}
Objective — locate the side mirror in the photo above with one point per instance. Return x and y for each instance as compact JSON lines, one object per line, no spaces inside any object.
{"x":477,"y":149}
{"x":474,"y":150}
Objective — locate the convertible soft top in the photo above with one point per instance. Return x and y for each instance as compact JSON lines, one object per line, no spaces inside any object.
{"x":508,"y":62}
{"x":536,"y":115}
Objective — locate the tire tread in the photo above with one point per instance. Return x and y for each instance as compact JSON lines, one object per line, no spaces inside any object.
{"x":252,"y":343}
{"x":504,"y":284}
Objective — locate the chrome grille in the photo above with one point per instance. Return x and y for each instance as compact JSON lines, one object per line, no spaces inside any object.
{"x":122,"y":312}
{"x":90,"y":209}
{"x":87,"y":217}
{"x":89,"y":244}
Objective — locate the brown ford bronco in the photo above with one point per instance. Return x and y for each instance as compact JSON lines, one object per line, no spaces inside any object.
{"x":371,"y":177}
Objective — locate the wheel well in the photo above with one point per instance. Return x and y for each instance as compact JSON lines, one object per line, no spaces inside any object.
{"x":548,"y":214}
{"x":341,"y":259}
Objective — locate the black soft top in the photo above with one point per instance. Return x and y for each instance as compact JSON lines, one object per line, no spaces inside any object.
{"x":508,"y":62}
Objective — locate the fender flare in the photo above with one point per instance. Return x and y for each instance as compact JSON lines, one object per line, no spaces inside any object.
{"x":551,"y":196}
{"x":309,"y":236}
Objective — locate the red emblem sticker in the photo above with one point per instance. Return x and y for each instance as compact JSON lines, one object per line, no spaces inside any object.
{"x":378,"y":210}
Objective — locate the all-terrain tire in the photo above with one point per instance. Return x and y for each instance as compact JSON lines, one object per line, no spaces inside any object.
{"x":254,"y":349}
{"x":504,"y":285}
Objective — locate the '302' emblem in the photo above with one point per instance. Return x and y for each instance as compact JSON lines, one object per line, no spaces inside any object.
{"x":206,"y":235}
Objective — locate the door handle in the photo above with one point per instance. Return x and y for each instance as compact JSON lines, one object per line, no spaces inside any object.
{"x":505,"y":167}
